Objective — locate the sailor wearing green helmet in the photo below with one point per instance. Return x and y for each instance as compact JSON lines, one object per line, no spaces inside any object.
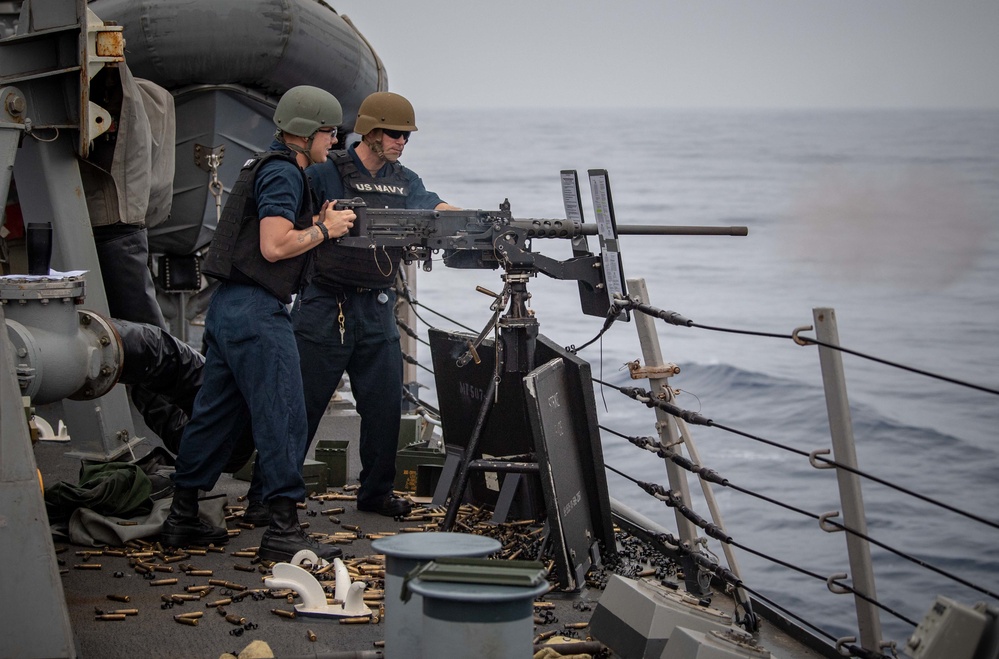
{"x":251,"y":371}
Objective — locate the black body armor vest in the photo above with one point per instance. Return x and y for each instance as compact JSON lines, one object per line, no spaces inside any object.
{"x":363,"y":266}
{"x":235,"y":255}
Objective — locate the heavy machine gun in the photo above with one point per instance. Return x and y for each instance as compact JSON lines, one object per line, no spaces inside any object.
{"x":487,"y":239}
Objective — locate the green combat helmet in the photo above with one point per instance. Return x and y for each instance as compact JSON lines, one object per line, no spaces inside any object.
{"x":385,"y":110}
{"x":305,"y":109}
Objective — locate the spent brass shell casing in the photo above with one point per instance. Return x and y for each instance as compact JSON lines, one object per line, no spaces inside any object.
{"x":119,"y":598}
{"x":358,"y":620}
{"x":282,"y":613}
{"x":197,"y":552}
{"x":163,"y":568}
{"x":221,"y":602}
{"x":175,"y":558}
{"x":216,"y":582}
{"x":126,"y":612}
{"x":163,"y":582}
{"x":193,"y":622}
{"x":577,"y":625}
{"x":110,"y":616}
{"x":244,"y":568}
{"x":247,"y":525}
{"x":200,"y":573}
{"x":193,"y":615}
{"x":235,"y":619}
{"x":311,"y":634}
{"x":186,"y":597}
{"x":244,"y":554}
{"x":87,"y":566}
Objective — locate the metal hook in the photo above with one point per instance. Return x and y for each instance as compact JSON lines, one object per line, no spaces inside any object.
{"x":829,"y":528}
{"x":797,"y":339}
{"x":835,"y":587}
{"x":815,"y":463}
{"x":843,"y":641}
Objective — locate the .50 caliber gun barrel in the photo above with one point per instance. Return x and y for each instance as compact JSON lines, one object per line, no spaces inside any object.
{"x":566,"y":229}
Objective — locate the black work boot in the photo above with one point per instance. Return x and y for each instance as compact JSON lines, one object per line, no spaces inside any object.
{"x":285,"y":537}
{"x":183,"y":527}
{"x":257,"y":513}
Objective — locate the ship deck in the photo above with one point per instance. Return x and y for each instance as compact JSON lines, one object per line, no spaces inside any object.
{"x":152,"y":632}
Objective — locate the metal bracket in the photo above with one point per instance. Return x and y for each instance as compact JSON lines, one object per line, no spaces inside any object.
{"x":639,"y":372}
{"x":209,"y":158}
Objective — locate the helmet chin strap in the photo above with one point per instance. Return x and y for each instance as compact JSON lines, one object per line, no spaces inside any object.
{"x":305,"y":151}
{"x":376,"y":148}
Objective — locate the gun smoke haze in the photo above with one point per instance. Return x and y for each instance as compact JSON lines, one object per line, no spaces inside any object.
{"x":918,"y":229}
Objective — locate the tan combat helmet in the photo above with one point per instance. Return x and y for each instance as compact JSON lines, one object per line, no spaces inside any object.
{"x":385,"y":110}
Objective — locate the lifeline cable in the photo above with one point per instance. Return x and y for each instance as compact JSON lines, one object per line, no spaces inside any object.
{"x":670,"y":498}
{"x":674,"y":318}
{"x":649,"y":444}
{"x":646,"y":397}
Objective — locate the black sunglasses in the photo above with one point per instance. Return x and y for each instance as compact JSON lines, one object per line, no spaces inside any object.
{"x":396,"y":134}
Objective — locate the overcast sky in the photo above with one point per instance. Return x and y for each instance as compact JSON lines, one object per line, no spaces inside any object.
{"x":686,"y":53}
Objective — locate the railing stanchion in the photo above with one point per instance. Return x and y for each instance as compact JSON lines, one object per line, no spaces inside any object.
{"x":851,"y":498}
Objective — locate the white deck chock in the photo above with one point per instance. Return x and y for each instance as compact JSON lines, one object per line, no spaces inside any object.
{"x":290,"y":575}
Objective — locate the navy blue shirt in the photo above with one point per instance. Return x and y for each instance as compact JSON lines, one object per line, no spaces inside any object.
{"x":278,"y":187}
{"x":326,"y":181}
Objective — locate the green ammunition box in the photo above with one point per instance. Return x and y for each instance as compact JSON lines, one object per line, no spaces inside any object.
{"x":407,"y":465}
{"x":333,"y":454}
{"x":410,"y":426}
{"x":315,"y":475}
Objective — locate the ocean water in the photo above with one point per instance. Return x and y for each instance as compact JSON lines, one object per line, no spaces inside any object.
{"x":889,"y":217}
